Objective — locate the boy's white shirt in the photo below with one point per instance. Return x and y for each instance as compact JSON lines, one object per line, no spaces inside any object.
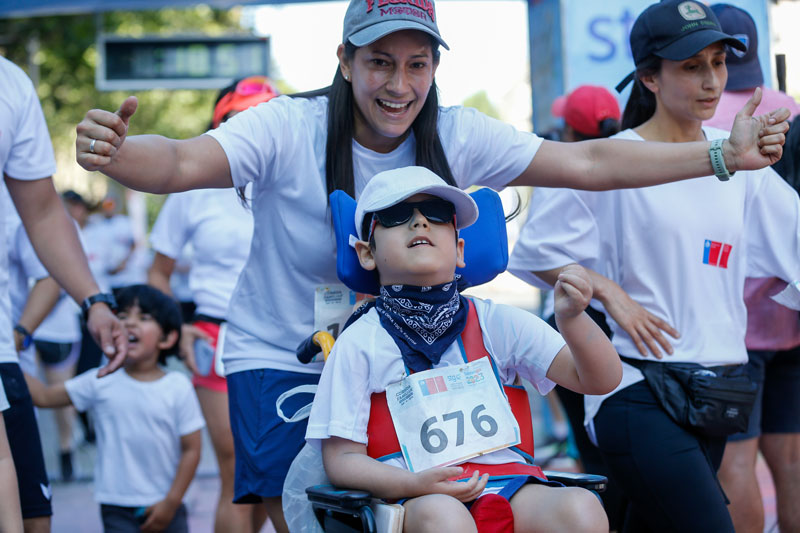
{"x":279,"y":146}
{"x":139,"y":425}
{"x":365,"y":359}
{"x":220,"y":229}
{"x":662,"y":268}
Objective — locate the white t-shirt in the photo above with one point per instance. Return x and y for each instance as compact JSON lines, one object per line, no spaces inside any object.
{"x":681,"y":250}
{"x":26,"y":153}
{"x":279,"y":146}
{"x":220,"y":229}
{"x":139,"y":425}
{"x":365,"y":359}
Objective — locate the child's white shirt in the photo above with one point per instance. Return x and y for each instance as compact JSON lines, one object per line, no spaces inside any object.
{"x":139,"y":425}
{"x":365,"y":359}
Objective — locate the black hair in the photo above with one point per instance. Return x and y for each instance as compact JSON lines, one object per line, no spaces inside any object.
{"x":341,"y":129}
{"x":642,"y":102}
{"x":155,"y":303}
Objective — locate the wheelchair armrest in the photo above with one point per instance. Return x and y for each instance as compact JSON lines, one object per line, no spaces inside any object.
{"x":330,"y":497}
{"x":592,"y":482}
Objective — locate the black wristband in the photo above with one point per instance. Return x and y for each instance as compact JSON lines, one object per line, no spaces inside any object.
{"x":27,"y":338}
{"x":101,"y":297}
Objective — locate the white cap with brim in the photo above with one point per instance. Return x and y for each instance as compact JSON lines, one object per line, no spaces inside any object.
{"x":391,"y":187}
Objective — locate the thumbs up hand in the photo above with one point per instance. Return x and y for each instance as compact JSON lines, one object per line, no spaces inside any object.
{"x":101,"y":134}
{"x":756,"y":142}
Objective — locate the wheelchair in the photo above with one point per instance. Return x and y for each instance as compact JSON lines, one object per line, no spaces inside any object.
{"x":340,"y":510}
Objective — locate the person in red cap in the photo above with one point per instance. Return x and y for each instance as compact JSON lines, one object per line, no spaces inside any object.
{"x":219,"y":228}
{"x":589,"y":112}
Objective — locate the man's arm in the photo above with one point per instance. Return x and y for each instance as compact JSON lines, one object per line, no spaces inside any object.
{"x":56,"y":242}
{"x":160,"y":515}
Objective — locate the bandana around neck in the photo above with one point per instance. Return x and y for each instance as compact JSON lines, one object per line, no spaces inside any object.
{"x":423,"y":321}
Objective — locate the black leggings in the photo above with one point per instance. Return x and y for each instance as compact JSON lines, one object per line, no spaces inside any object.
{"x":667,"y":472}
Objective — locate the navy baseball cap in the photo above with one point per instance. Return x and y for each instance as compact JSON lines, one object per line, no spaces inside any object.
{"x":366,"y":21}
{"x":744,"y":69}
{"x":675,"y":30}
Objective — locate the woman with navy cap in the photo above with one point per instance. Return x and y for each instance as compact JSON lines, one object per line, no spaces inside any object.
{"x":669,"y":261}
{"x":381,"y":112}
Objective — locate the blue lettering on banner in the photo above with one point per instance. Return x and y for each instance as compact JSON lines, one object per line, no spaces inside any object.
{"x":609,"y":32}
{"x":594,"y":32}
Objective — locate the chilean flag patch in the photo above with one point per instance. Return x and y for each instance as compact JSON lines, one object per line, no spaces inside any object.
{"x":716,"y":253}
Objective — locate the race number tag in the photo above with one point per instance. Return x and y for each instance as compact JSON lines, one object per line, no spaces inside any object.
{"x":447,"y":415}
{"x":333,"y":305}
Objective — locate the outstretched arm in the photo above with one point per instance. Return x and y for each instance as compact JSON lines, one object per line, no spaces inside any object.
{"x":348,"y":465}
{"x":589,"y":364}
{"x":47,"y":395}
{"x":149,"y":163}
{"x":603,"y":164}
{"x":55,"y":240}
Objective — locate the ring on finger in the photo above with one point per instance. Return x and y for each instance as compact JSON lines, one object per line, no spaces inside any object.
{"x":91,"y":145}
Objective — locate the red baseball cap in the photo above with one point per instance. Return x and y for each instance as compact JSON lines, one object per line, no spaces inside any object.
{"x":584,"y":108}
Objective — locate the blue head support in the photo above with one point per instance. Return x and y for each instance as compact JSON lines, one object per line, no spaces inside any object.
{"x":485,"y":250}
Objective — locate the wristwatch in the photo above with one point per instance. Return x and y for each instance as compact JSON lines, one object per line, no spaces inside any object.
{"x":101,"y":297}
{"x":718,"y":160}
{"x":27,"y":338}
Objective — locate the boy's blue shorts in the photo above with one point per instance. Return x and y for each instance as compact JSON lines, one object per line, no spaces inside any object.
{"x":264,"y":444}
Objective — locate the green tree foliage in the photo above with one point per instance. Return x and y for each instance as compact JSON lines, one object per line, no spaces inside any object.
{"x":60,"y":55}
{"x":481,"y":102}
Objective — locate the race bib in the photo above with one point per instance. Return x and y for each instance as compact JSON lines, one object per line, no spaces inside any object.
{"x":447,"y":415}
{"x":333,"y":305}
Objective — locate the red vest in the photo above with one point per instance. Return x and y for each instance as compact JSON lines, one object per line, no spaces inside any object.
{"x":382,"y":438}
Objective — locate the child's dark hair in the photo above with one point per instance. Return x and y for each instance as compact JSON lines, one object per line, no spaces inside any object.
{"x":642,"y":102}
{"x":161,"y":307}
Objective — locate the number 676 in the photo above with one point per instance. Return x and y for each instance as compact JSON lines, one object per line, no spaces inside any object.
{"x":485,"y":425}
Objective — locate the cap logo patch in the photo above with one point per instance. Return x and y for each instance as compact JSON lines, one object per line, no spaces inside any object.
{"x":425,"y":5}
{"x":691,"y":11}
{"x":745,"y":39}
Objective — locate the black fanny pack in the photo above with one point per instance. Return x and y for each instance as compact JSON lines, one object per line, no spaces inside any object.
{"x":714,"y":401}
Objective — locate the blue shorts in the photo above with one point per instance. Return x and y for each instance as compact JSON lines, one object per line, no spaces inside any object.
{"x":26,"y":447}
{"x":777,"y":406}
{"x":264,"y":444}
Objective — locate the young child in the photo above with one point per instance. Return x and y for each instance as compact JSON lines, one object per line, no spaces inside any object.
{"x":408,"y":221}
{"x":148,"y":421}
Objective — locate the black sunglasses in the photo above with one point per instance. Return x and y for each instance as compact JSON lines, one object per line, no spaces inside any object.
{"x":435,"y":210}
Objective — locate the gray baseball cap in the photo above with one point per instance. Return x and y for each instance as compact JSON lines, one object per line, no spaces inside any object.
{"x":366,"y":21}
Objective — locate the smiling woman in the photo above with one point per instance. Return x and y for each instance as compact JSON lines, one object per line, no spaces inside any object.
{"x":381,"y":112}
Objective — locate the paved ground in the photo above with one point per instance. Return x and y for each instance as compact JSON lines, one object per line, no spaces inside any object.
{"x":76,"y":511}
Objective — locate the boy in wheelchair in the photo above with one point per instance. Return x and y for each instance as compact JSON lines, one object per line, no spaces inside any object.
{"x":409,"y":406}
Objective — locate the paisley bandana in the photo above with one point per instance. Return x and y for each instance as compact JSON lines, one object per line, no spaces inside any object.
{"x":423,"y":321}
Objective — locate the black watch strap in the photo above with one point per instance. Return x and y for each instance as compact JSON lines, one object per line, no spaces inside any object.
{"x":101,"y":297}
